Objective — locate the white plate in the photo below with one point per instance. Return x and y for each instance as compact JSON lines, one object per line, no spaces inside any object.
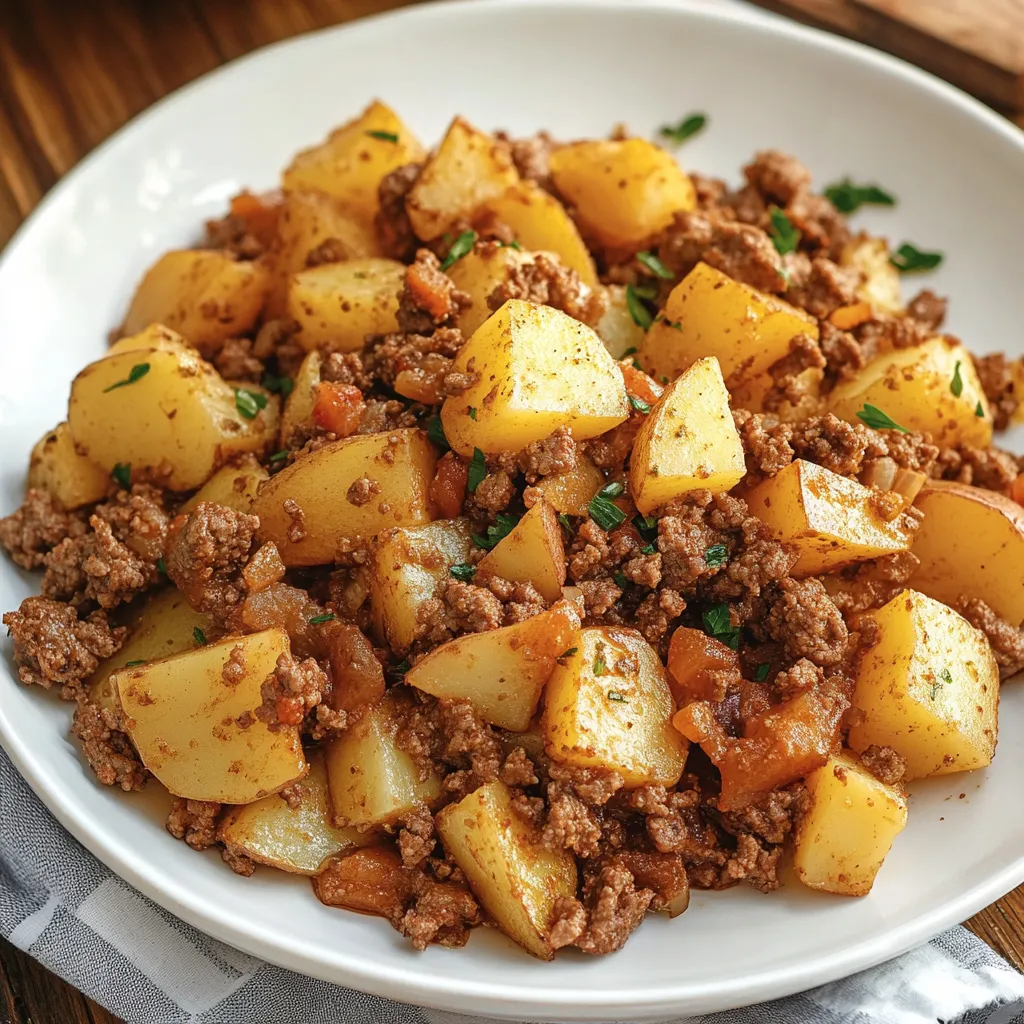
{"x":64,"y":281}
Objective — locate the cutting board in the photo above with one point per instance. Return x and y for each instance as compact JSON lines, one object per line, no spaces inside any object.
{"x":975,"y":44}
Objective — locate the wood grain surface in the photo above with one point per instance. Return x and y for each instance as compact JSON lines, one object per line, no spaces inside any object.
{"x":71,"y":73}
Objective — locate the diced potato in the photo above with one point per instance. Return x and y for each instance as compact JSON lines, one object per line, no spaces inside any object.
{"x":307,"y":221}
{"x":540,"y":222}
{"x":971,"y":544}
{"x":234,"y":486}
{"x":284,"y":607}
{"x":368,"y":881}
{"x":880,"y":286}
{"x":710,"y":314}
{"x":337,"y":305}
{"x":355,"y":158}
{"x":59,"y":468}
{"x":297,"y":418}
{"x":688,"y":441}
{"x":204,"y":295}
{"x":692,"y":657}
{"x":608,"y":705}
{"x":356,"y":674}
{"x":400,"y":461}
{"x":570,"y":492}
{"x":538,"y":370}
{"x":623,"y":191}
{"x":501,"y":672}
{"x":831,"y":520}
{"x":179,"y":415}
{"x":929,"y":688}
{"x":532,"y":553}
{"x":297,"y":839}
{"x":407,"y":566}
{"x":164,"y":625}
{"x":372,"y":780}
{"x":618,"y":330}
{"x":850,"y":824}
{"x":516,"y":877}
{"x":182,"y":717}
{"x":477,"y":274}
{"x":469,"y":169}
{"x":914,"y":387}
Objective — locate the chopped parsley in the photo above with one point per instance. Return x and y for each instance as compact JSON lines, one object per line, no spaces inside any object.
{"x":198,"y":636}
{"x":646,"y":526}
{"x":956,"y":385}
{"x":122,"y":473}
{"x":873,"y":417}
{"x":137,"y":372}
{"x":280,"y":456}
{"x":945,"y":677}
{"x":617,"y":697}
{"x":630,"y":351}
{"x":675,"y":325}
{"x":686,"y":128}
{"x":383,"y":136}
{"x":510,"y":245}
{"x":784,"y":236}
{"x":161,"y":565}
{"x":402,"y":667}
{"x":463,"y":244}
{"x":318,"y":620}
{"x":638,"y":310}
{"x":600,"y":666}
{"x":621,"y":580}
{"x":567,"y":653}
{"x":654,"y":265}
{"x":278,"y":385}
{"x":639,"y":404}
{"x":648,"y":549}
{"x":435,"y":431}
{"x":846,"y":197}
{"x":565,"y":521}
{"x":908,"y":258}
{"x":463,"y":571}
{"x":762,"y":671}
{"x":477,"y":470}
{"x":637,"y":366}
{"x":606,"y":514}
{"x":249,"y":403}
{"x":978,"y":410}
{"x":472,"y":412}
{"x":132,"y":664}
{"x":499,"y":531}
{"x":716,"y":556}
{"x":718,"y":624}
{"x":611,"y":490}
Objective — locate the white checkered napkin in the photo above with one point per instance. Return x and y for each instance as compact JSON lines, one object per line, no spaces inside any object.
{"x":62,"y":906}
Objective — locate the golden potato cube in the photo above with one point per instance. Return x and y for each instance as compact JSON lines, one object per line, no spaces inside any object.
{"x":538,"y":370}
{"x":501,"y":672}
{"x":406,"y":568}
{"x":234,"y":486}
{"x":880,"y":281}
{"x":59,"y":468}
{"x":831,"y":520}
{"x":570,"y":492}
{"x":469,"y":169}
{"x":400,"y":461}
{"x":608,"y":705}
{"x":337,"y":305}
{"x":541,"y":223}
{"x":297,"y":417}
{"x":849,"y":827}
{"x":915,"y":388}
{"x":710,"y":314}
{"x":618,"y":330}
{"x":971,"y":545}
{"x":514,"y":875}
{"x":296,"y":839}
{"x":532,"y":553}
{"x":623,"y":191}
{"x":166,"y":408}
{"x":204,"y":295}
{"x":688,"y":441}
{"x":477,"y":274}
{"x":372,"y":780}
{"x":164,"y":625}
{"x":354,"y":159}
{"x":183,"y":716}
{"x":929,"y":689}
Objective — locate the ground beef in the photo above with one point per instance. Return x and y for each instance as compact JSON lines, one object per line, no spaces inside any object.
{"x":928,"y":309}
{"x":107,"y":748}
{"x":991,"y":468}
{"x":53,"y":645}
{"x":742,"y":251}
{"x":394,"y":230}
{"x":833,"y":443}
{"x":845,"y":356}
{"x":236,"y":362}
{"x":570,"y":824}
{"x":495,"y":492}
{"x":772,"y":817}
{"x":518,"y":769}
{"x":520,"y":601}
{"x":428,"y":298}
{"x":827,"y":287}
{"x":545,"y":281}
{"x":117,"y":558}
{"x":345,"y":368}
{"x":195,"y":821}
{"x":37,"y":527}
{"x":330,"y":250}
{"x":753,"y":863}
{"x":231,"y":235}
{"x":1007,"y":641}
{"x":885,"y":764}
{"x":292,"y":691}
{"x":614,"y":908}
{"x":387,"y":356}
{"x":233,"y":670}
{"x":362,"y":491}
{"x":531,"y":155}
{"x":297,"y":529}
{"x":549,"y":457}
{"x":237,"y":860}
{"x":205,"y":556}
{"x":884,"y":332}
{"x":777,"y":176}
{"x":417,"y":837}
{"x":442,"y":913}
{"x":806,"y":621}
{"x":999,"y":378}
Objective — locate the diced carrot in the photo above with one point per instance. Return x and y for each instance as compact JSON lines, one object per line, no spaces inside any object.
{"x":260,"y":212}
{"x":639,"y":384}
{"x":338,"y":407}
{"x":430,"y":289}
{"x":448,"y":488}
{"x":692,"y":655}
{"x":848,"y":317}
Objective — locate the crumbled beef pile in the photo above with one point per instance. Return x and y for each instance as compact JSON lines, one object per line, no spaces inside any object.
{"x":546,"y":281}
{"x":37,"y":527}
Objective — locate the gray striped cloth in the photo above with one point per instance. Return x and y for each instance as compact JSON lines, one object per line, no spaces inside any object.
{"x":63,"y":907}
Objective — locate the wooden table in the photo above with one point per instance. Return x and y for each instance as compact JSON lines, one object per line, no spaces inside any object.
{"x":71,"y":73}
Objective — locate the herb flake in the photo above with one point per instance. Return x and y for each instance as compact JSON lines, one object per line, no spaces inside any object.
{"x":762,"y":671}
{"x":718,"y":625}
{"x":611,"y":490}
{"x":617,"y":697}
{"x":122,"y":473}
{"x":477,"y":470}
{"x":909,"y":259}
{"x":472,"y":412}
{"x":278,"y":385}
{"x":639,"y":404}
{"x":872,"y":416}
{"x":621,"y":580}
{"x":567,"y":653}
{"x":565,"y":521}
{"x":137,"y":372}
{"x":462,"y":245}
{"x":435,"y":431}
{"x":133,"y":664}
{"x":945,"y":678}
{"x":979,"y":411}
{"x":687,"y":128}
{"x":716,"y":556}
{"x":600,"y":665}
{"x":641,"y":315}
{"x":280,"y":456}
{"x":198,"y":636}
{"x":318,"y":620}
{"x":249,"y":403}
{"x":463,"y":571}
{"x":606,"y":514}
{"x":654,"y":265}
{"x":784,"y":236}
{"x":646,"y":526}
{"x":846,"y":197}
{"x":383,"y":136}
{"x":402,"y":667}
{"x":504,"y":525}
{"x":956,"y":385}
{"x":161,"y":565}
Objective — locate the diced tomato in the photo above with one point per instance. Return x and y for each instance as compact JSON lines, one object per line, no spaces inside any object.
{"x":338,"y":407}
{"x":448,"y":488}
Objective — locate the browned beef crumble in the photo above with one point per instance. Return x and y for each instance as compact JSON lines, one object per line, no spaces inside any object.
{"x":231,"y":236}
{"x":106,"y":746}
{"x":37,"y":527}
{"x":546,"y":281}
{"x":885,"y":764}
{"x":1000,"y":386}
{"x":1007,"y":641}
{"x":235,"y":361}
{"x":531,"y":156}
{"x":393,"y":228}
{"x":195,"y":821}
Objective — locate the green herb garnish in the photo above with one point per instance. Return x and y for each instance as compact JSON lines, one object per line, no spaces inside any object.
{"x":639,"y":404}
{"x":979,"y":411}
{"x":648,"y":549}
{"x":621,"y":580}
{"x":472,"y":412}
{"x":646,"y":526}
{"x":565,"y":521}
{"x":873,"y":417}
{"x":718,"y":624}
{"x":611,"y":490}
{"x":606,"y":514}
{"x":463,"y":244}
{"x":318,"y":620}
{"x":132,"y":664}
{"x":600,"y":667}
{"x":463,"y":571}
{"x":161,"y":565}
{"x":629,"y":351}
{"x":505,"y":524}
{"x":137,"y":372}
{"x":945,"y":676}
{"x":280,"y":456}
{"x":846,"y":197}
{"x":956,"y":385}
{"x":617,"y":697}
{"x":686,"y":128}
{"x":762,"y":671}
{"x":435,"y":431}
{"x":784,"y":236}
{"x":383,"y":136}
{"x":278,"y":385}
{"x":567,"y":653}
{"x":654,"y":265}
{"x":122,"y":473}
{"x":477,"y":470}
{"x":249,"y":403}
{"x":641,"y":315}
{"x":908,"y":258}
{"x":198,"y":636}
{"x":716,"y":556}
{"x":402,"y":667}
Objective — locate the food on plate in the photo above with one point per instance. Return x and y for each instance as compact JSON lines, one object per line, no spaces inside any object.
{"x":530,"y":531}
